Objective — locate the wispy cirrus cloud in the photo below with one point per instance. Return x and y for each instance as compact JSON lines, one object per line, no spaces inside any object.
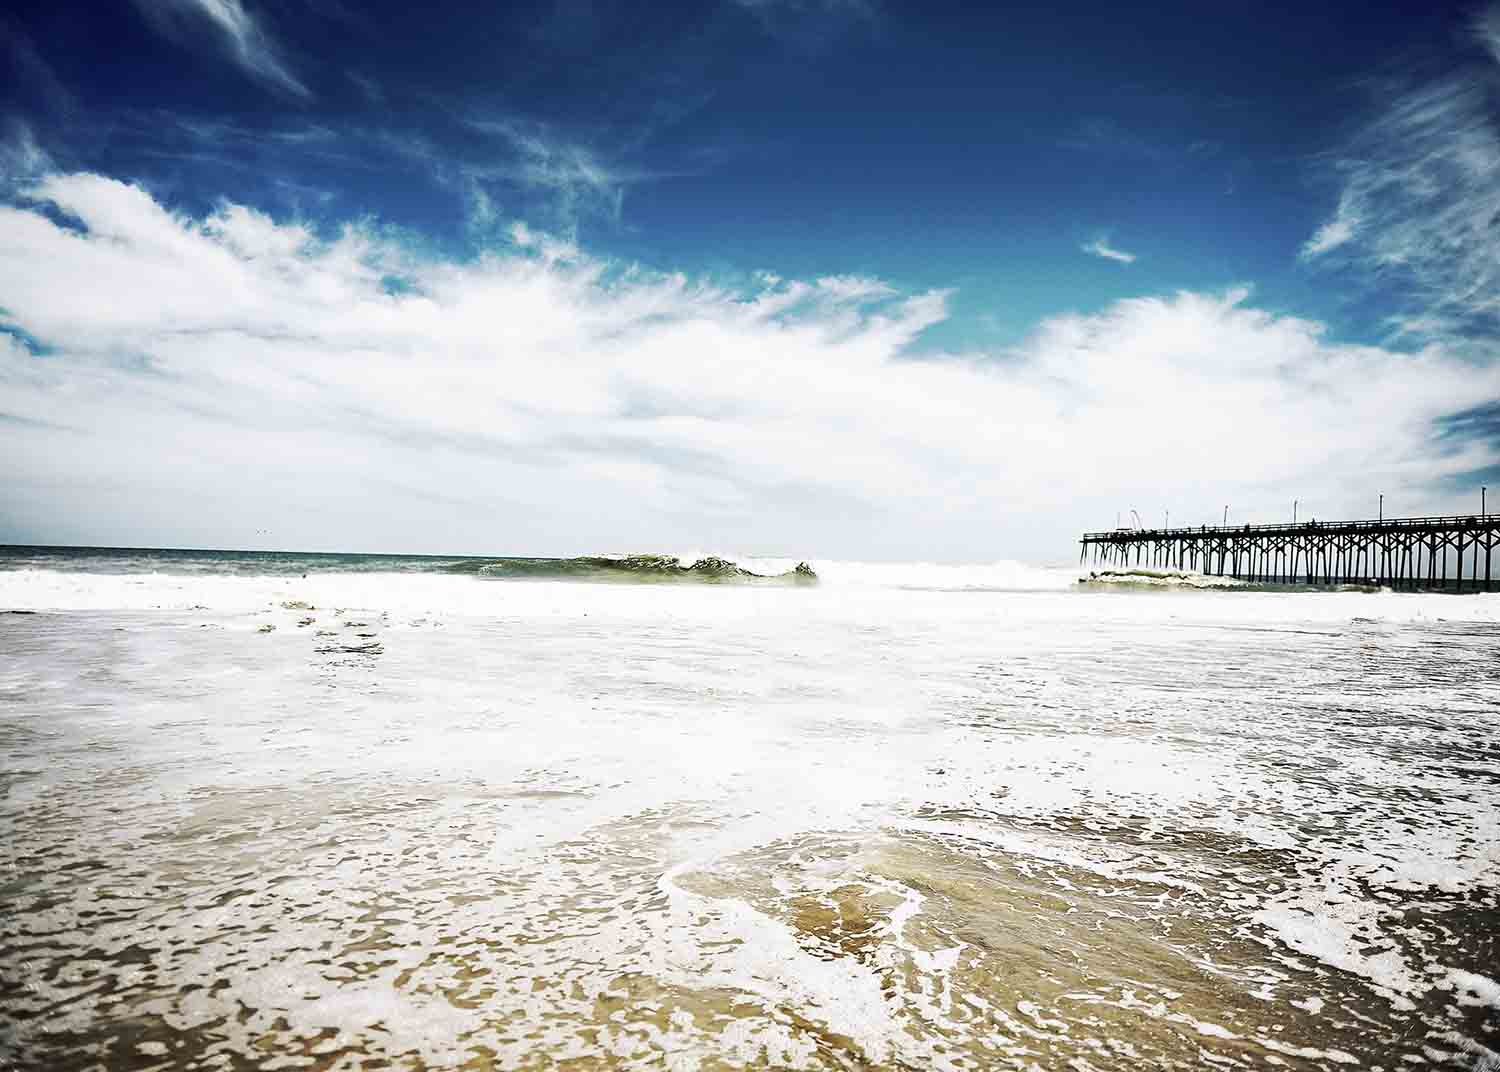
{"x":1100,"y":247}
{"x":372,"y":91}
{"x":22,"y":158}
{"x":1420,"y":197}
{"x":568,"y":174}
{"x":30,"y":80}
{"x":572,"y":173}
{"x":558,"y":402}
{"x":811,"y":26}
{"x":1487,"y":29}
{"x":862,"y":9}
{"x":1100,"y":134}
{"x":531,"y":168}
{"x":238,"y":31}
{"x":1333,"y":233}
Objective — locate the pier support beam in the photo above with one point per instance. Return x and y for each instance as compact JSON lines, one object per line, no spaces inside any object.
{"x":1387,"y":551}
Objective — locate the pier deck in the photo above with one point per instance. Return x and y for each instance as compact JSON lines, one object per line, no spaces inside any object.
{"x":1408,"y":552}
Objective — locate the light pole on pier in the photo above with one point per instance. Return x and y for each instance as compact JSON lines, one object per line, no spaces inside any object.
{"x":1382,"y":506}
{"x":1226,"y":515}
{"x":1294,"y":511}
{"x":1482,"y":511}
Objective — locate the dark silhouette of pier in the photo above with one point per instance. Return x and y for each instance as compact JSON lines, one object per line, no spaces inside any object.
{"x":1408,"y":552}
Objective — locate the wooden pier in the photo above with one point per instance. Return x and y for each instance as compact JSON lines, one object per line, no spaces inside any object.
{"x":1442,"y":553}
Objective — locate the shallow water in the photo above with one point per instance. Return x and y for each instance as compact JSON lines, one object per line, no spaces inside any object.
{"x":539,"y":824}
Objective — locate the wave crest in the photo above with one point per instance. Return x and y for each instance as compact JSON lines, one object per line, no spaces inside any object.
{"x":1160,"y":578}
{"x":709,"y":569}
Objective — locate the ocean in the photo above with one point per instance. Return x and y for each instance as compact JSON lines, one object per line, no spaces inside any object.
{"x":341,"y":812}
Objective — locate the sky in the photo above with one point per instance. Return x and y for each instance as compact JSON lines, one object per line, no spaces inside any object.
{"x":818,"y":278}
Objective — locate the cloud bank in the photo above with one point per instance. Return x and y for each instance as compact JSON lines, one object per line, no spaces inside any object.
{"x":199,"y":381}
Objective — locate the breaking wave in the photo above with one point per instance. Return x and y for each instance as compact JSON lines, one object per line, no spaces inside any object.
{"x":712,"y":566}
{"x":1186,"y":579}
{"x":709,"y":569}
{"x":1003,"y":576}
{"x":1158,"y":578}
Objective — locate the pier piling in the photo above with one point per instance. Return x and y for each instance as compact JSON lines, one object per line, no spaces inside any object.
{"x":1386,"y":551}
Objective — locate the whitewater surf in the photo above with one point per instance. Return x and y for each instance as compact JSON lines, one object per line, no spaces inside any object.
{"x":358,"y":811}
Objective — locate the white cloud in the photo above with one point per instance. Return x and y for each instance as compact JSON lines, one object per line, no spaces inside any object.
{"x":854,"y":288}
{"x":210,"y":378}
{"x":1333,"y":233}
{"x":1421,"y":193}
{"x":238,"y":31}
{"x":1100,"y":247}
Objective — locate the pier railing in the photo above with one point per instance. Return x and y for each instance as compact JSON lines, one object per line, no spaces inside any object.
{"x":1406,"y":552}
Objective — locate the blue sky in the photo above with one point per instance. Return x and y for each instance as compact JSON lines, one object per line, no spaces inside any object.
{"x":968,"y":148}
{"x":984,"y":186}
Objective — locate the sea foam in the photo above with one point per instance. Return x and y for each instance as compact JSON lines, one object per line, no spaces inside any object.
{"x":947,"y":824}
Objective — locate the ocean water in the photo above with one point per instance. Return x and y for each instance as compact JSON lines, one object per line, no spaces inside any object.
{"x":413,"y":813}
